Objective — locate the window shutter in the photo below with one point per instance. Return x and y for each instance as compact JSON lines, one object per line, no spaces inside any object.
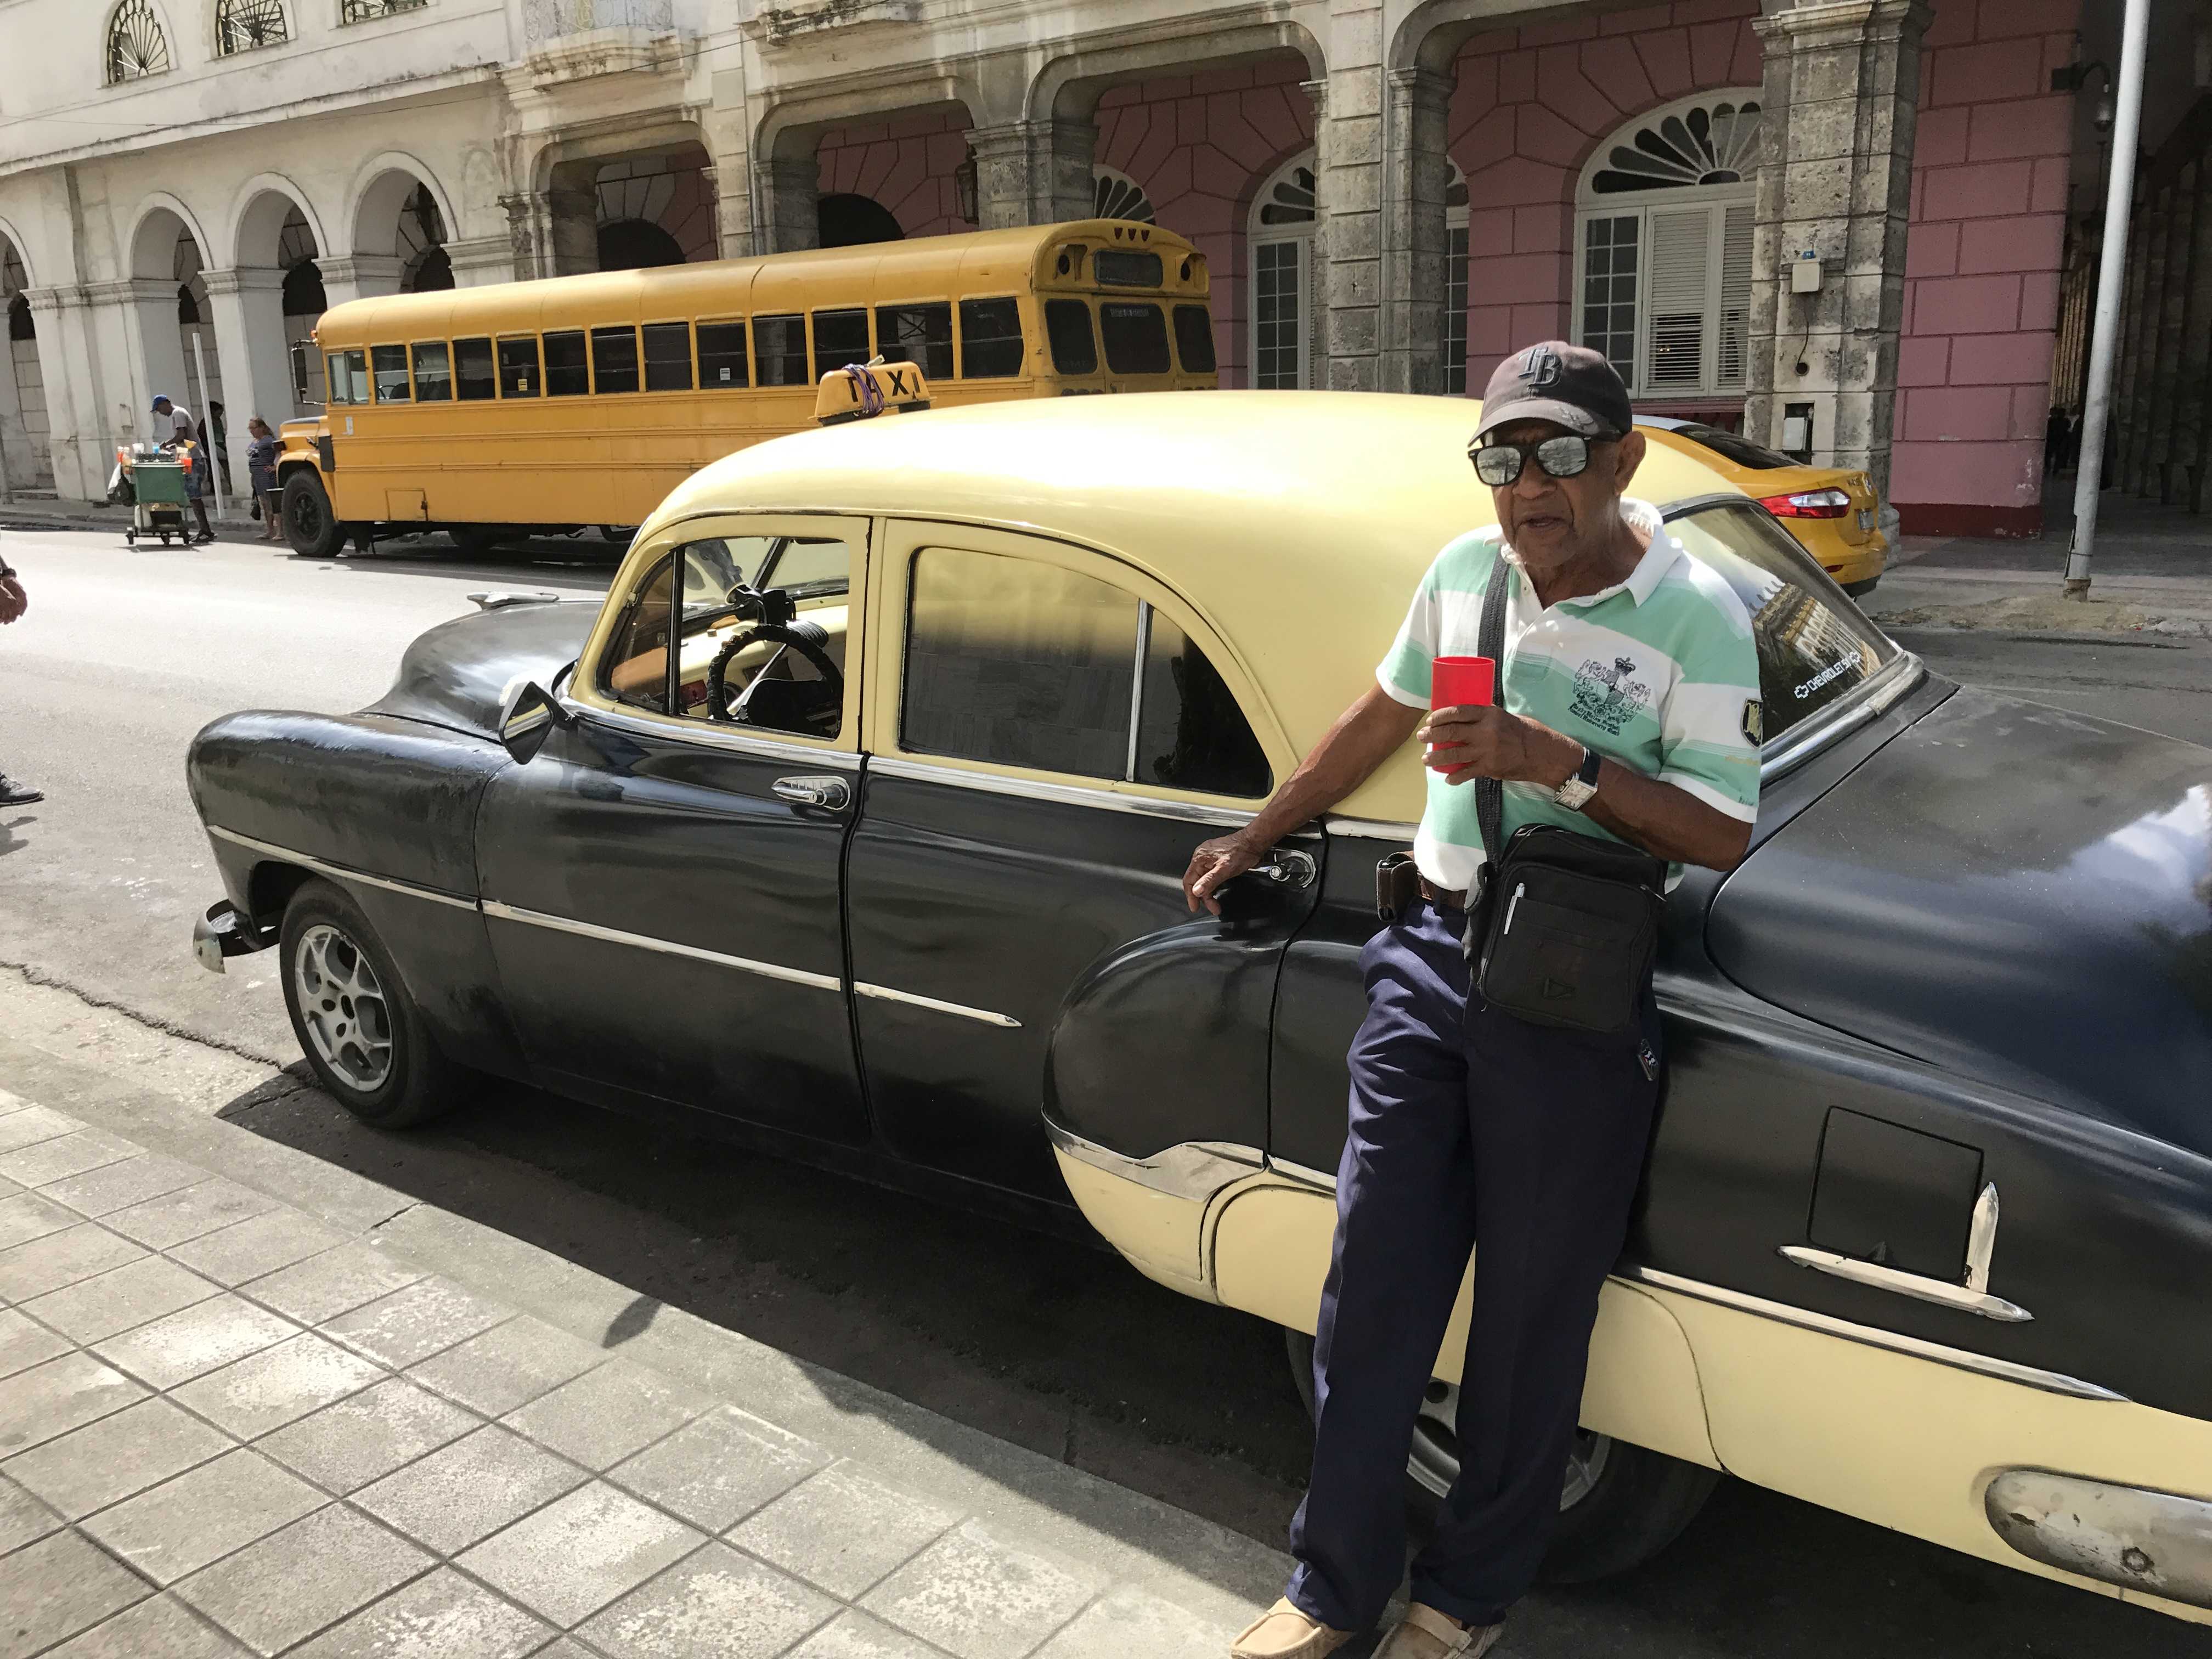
{"x":1735,"y":295}
{"x":1675,"y":354}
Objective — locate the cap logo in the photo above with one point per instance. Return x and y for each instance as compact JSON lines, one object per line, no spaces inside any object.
{"x":1540,"y":368}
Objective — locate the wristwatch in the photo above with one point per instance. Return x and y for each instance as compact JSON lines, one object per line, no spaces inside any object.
{"x":1575,"y":793}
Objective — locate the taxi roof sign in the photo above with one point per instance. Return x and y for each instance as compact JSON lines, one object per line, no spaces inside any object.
{"x":859,"y":390}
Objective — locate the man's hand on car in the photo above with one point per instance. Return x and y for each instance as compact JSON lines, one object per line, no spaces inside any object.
{"x":1488,"y":742}
{"x":1216,"y":864}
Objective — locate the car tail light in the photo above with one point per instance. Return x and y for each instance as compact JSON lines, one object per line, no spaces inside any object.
{"x":1808,"y":504}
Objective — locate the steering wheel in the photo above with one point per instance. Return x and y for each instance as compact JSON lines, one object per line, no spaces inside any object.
{"x":808,"y":639}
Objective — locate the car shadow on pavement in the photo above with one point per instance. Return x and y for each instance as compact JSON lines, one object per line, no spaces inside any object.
{"x":1059,"y":1347}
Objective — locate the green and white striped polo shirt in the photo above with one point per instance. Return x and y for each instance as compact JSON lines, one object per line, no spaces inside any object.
{"x":1659,"y":673}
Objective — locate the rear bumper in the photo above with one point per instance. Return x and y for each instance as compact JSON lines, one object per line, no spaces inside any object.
{"x":223,"y":933}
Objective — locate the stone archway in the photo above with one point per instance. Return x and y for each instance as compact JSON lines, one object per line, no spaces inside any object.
{"x":178,"y":342}
{"x":26,"y":450}
{"x":401,"y":225}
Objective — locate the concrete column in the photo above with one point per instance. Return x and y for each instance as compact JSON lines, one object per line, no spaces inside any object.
{"x":1034,"y":172}
{"x":725,"y":125}
{"x":477,"y":260}
{"x":1419,"y":172}
{"x":248,"y":303}
{"x":526,"y":237}
{"x":364,"y":276}
{"x":1348,"y":242}
{"x":1841,"y":87}
{"x":156,"y":338}
{"x":572,"y":218}
{"x":80,"y":436}
{"x":791,"y":193}
{"x":18,"y":463}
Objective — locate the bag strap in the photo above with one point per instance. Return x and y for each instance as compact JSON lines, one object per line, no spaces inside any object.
{"x":1489,"y":793}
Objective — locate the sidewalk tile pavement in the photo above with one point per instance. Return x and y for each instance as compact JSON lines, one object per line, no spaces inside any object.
{"x":227,"y":1429}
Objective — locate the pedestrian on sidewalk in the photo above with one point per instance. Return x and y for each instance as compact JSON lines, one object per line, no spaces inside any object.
{"x":1629,"y":720}
{"x":13,"y":603}
{"x":176,"y":431}
{"x":261,"y":472}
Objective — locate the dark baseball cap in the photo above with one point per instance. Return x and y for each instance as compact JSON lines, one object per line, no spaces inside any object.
{"x":1571,"y":386}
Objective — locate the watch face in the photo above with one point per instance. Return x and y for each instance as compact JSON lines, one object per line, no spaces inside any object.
{"x":1574,"y":794}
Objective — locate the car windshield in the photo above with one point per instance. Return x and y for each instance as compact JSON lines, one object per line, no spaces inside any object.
{"x":1815,"y":647}
{"x":1734,"y":447}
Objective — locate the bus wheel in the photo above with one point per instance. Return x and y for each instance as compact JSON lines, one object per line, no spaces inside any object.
{"x":475,"y":539}
{"x":310,"y":525}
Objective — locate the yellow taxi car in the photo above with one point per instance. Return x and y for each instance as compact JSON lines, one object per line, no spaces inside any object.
{"x":1832,"y":511}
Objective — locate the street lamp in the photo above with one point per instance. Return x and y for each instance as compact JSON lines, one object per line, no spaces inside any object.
{"x":963,"y":187}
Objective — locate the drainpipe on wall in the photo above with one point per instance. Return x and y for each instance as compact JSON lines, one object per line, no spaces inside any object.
{"x":2120,"y":193}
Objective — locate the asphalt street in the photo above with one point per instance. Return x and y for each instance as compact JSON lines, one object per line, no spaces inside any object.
{"x":1040,"y":1341}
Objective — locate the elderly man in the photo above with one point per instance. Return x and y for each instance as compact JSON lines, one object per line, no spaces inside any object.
{"x":1469,"y":1126}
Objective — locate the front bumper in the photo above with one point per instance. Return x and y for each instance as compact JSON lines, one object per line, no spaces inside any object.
{"x":223,"y":933}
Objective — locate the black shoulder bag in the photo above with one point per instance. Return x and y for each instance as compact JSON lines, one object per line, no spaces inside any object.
{"x":1564,"y":926}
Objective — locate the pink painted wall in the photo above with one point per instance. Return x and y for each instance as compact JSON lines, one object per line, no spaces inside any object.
{"x":905,"y":163}
{"x":1531,"y":105}
{"x":1201,"y":146}
{"x":1989,"y":170}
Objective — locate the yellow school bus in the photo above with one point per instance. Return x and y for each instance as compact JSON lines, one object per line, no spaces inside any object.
{"x":548,"y":406}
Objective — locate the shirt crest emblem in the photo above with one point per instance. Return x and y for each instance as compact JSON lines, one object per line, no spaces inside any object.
{"x":1605,"y":694}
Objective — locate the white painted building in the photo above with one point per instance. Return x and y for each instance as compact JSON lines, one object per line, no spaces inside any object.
{"x":1392,"y":192}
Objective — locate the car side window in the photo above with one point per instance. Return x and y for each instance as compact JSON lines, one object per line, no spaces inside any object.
{"x":1024,"y":663}
{"x":635,"y":669}
{"x":789,"y":681}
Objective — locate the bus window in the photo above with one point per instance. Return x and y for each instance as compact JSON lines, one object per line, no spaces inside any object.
{"x":614,"y":360}
{"x":1194,"y":339}
{"x":921,"y":335}
{"x":434,"y":373}
{"x":1067,"y":326}
{"x":667,"y":356}
{"x":565,"y":374}
{"x":990,"y":339}
{"x":779,"y":347}
{"x":1136,"y":338}
{"x":840,"y":337}
{"x":1121,"y":267}
{"x":721,"y":355}
{"x":349,"y":377}
{"x":473,"y":371}
{"x":388,"y":372}
{"x":517,"y":367}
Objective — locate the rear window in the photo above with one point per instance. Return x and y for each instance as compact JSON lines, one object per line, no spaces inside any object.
{"x":1117,"y":267}
{"x":1815,"y":646}
{"x":1734,"y":447}
{"x":721,"y":355}
{"x":517,"y":367}
{"x":1194,"y":339}
{"x":566,"y":374}
{"x":990,"y":339}
{"x":918,"y":334}
{"x":472,"y":369}
{"x":1136,"y":338}
{"x":1068,"y":328}
{"x":779,"y":346}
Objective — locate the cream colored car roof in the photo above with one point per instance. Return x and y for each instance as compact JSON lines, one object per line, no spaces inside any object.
{"x":1297,"y":524}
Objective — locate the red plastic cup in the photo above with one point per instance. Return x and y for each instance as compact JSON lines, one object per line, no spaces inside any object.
{"x":1459,"y":682}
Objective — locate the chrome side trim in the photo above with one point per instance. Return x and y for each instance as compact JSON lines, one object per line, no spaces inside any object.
{"x":710,"y":735}
{"x":667,"y":947}
{"x":341,"y":872}
{"x":1194,"y":1171}
{"x":2004,"y":1370}
{"x":1916,"y":1286}
{"x":2159,"y":1543}
{"x":1904,"y":672}
{"x":1069,"y":794}
{"x":885,"y":993}
{"x":1374,"y":829}
{"x":1299,"y":1172}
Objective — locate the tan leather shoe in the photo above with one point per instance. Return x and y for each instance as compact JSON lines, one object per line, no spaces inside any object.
{"x":1285,"y":1633}
{"x":1427,"y":1634}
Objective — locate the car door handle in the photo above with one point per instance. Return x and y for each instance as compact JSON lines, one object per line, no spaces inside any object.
{"x":1286,"y":867}
{"x":831,"y":794}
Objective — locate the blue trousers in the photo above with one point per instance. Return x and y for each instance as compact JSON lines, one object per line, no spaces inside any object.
{"x":1470,"y":1129}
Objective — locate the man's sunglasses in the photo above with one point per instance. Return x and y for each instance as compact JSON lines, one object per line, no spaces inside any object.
{"x":1499,"y":465}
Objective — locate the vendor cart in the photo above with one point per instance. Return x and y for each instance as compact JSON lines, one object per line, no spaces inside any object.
{"x":160,"y":492}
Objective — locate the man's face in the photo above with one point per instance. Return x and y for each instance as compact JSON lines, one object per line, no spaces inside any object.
{"x":160,"y":405}
{"x":1549,"y":521}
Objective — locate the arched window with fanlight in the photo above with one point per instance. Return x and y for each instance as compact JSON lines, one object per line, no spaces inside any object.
{"x":248,"y":25}
{"x":1115,"y":195}
{"x":1281,"y":240}
{"x":137,"y":47}
{"x":1662,"y":247}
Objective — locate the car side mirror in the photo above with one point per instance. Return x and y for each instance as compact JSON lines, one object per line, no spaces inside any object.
{"x":527,"y":718}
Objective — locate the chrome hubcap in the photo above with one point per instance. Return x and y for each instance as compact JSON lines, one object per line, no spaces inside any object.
{"x":1435,"y":1459}
{"x":342,"y":1008}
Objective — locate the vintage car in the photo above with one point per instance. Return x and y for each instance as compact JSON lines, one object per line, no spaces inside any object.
{"x":882,"y":860}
